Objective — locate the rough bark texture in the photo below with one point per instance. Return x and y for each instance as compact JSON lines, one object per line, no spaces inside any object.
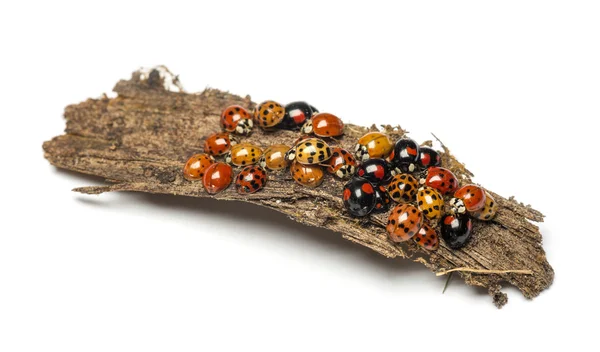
{"x":140,"y":140}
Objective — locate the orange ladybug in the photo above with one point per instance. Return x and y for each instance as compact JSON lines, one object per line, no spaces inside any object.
{"x":342,"y":163}
{"x":274,"y":157}
{"x":403,"y":188}
{"x":196,"y":165}
{"x":324,"y":125}
{"x":268,"y":114}
{"x":404,"y":222}
{"x":489,"y":209}
{"x":373,"y":145}
{"x":217,"y":144}
{"x":427,"y":237}
{"x":431,"y":203}
{"x":217,"y":177}
{"x":307,"y":175}
{"x":243,"y":154}
{"x":237,"y":119}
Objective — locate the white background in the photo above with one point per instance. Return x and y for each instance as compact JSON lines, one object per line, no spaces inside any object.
{"x":511,"y":86}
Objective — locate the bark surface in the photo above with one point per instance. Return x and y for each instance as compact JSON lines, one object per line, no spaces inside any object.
{"x":140,"y":140}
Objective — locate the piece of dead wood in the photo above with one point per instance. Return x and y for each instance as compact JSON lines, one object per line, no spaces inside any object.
{"x":140,"y":140}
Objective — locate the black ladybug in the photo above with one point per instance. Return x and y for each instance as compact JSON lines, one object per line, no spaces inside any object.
{"x":428,"y":157}
{"x":406,"y":155}
{"x":359,"y":196}
{"x":375,"y":170}
{"x":296,"y":114}
{"x":382,"y":200}
{"x":456,"y":230}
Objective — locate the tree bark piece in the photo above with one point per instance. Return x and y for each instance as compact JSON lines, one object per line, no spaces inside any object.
{"x":140,"y":140}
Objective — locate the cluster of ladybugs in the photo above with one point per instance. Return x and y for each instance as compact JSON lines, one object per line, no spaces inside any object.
{"x":307,"y":159}
{"x":412,"y":176}
{"x":380,"y":171}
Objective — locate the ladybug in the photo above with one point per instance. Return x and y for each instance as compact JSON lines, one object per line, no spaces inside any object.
{"x":406,"y":155}
{"x":456,"y":230}
{"x":296,"y":114}
{"x":342,"y":163}
{"x":431,"y":203}
{"x":237,"y":119}
{"x":489,"y":209}
{"x":217,"y":177}
{"x":243,"y":154}
{"x":268,"y":114}
{"x":428,"y":157}
{"x":218,"y":144}
{"x":310,"y":151}
{"x":324,"y":125}
{"x":441,"y":179}
{"x":359,"y":196}
{"x":404,"y":222}
{"x":195,"y":166}
{"x":403,"y":188}
{"x":373,"y":145}
{"x":470,"y":198}
{"x":382,"y":200}
{"x":274,"y":157}
{"x":251,"y":179}
{"x":307,"y":175}
{"x":375,"y":170}
{"x":427,"y":237}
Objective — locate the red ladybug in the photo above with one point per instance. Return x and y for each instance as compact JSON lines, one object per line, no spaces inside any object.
{"x":237,"y":119}
{"x":217,"y":144}
{"x":404,"y":222}
{"x":441,"y":179}
{"x":217,"y":177}
{"x":470,"y":198}
{"x":251,"y":179}
{"x":324,"y":125}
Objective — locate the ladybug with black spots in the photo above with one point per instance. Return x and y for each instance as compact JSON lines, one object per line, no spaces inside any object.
{"x":342,"y":163}
{"x":404,"y":222}
{"x":427,"y":237}
{"x":307,"y":175}
{"x":251,"y":179}
{"x":196,"y":165}
{"x":406,"y":155}
{"x":403,"y":188}
{"x":218,"y":144}
{"x":373,"y":145}
{"x":441,"y":179}
{"x":310,"y":151}
{"x":237,"y":119}
{"x":375,"y":170}
{"x":469,"y":198}
{"x":359,"y":196}
{"x":243,"y":154}
{"x":268,"y":114}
